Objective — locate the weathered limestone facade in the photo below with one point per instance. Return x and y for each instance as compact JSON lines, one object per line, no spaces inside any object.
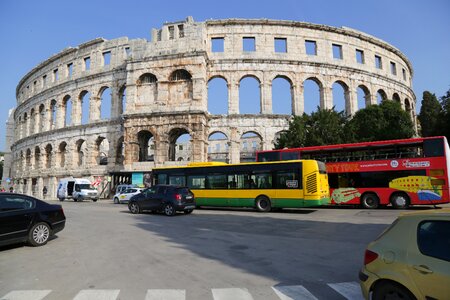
{"x":96,"y":109}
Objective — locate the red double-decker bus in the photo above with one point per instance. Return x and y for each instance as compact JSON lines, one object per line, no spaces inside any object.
{"x":373,"y":174}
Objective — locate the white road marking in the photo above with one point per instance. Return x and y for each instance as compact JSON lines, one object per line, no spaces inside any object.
{"x":97,"y":295}
{"x":231,"y":294}
{"x":293,"y":292}
{"x":350,"y":290}
{"x":165,"y":295}
{"x":26,"y":295}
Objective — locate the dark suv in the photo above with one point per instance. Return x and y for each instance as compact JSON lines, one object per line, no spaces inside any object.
{"x":163,"y":198}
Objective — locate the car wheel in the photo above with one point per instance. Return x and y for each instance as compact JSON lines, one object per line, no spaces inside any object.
{"x":263,"y":204}
{"x":169,"y":210}
{"x":400,"y":200}
{"x":188,"y":211}
{"x":94,"y":200}
{"x":390,"y":290}
{"x":75,"y":199}
{"x":116,"y":200}
{"x":134,"y":208}
{"x":61,"y":199}
{"x":370,"y":201}
{"x":39,"y":234}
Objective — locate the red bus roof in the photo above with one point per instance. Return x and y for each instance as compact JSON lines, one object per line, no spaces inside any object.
{"x":355,"y":146}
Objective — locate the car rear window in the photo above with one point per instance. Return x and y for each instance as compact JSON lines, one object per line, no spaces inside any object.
{"x":183,"y":191}
{"x":433,"y":239}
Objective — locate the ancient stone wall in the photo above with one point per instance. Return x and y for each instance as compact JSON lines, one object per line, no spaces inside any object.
{"x":98,"y":108}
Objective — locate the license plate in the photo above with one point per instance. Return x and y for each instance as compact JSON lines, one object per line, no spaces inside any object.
{"x":188,"y":197}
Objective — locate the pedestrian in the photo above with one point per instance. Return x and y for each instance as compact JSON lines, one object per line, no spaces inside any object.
{"x":11,"y":189}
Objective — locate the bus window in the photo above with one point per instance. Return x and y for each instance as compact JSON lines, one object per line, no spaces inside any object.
{"x":263,"y":180}
{"x":162,"y":179}
{"x":177,"y":180}
{"x":217,"y":181}
{"x":269,"y":156}
{"x":433,"y":148}
{"x":288,"y":180}
{"x":290,"y":155}
{"x":196,"y":182}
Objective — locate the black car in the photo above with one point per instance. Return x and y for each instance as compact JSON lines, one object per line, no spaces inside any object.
{"x":163,"y":198}
{"x":27,"y":219}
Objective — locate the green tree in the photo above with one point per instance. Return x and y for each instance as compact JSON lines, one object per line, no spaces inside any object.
{"x":381,"y":122}
{"x":429,"y":114}
{"x":326,"y":127}
{"x":443,"y":123}
{"x":295,"y":135}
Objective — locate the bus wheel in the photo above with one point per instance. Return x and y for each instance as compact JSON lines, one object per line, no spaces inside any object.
{"x":400,"y":200}
{"x":263,"y":204}
{"x":370,"y":200}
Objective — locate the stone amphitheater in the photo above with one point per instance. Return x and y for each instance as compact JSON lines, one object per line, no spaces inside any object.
{"x":157,"y":91}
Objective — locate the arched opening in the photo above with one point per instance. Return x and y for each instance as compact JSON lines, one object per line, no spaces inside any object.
{"x":25,"y":125}
{"x":250,"y":143}
{"x":102,"y":145}
{"x":218,"y":147}
{"x":48,"y":156}
{"x":179,"y":145}
{"x":41,"y":117}
{"x":85,"y":97}
{"x":67,"y":102}
{"x":19,"y":128}
{"x":340,"y":96}
{"x":217,"y":96}
{"x":28,"y":158}
{"x":146,"y":146}
{"x":363,"y":95}
{"x":53,"y":108}
{"x":180,"y":86}
{"x":81,"y":152}
{"x":147,"y":89}
{"x":62,"y":154}
{"x":381,"y":96}
{"x":282,"y":98}
{"x":120,"y":151}
{"x":312,"y":90}
{"x":37,"y":157}
{"x":249,"y":95}
{"x":105,"y":103}
{"x":396,"y":97}
{"x":32,"y":121}
{"x":408,"y":108}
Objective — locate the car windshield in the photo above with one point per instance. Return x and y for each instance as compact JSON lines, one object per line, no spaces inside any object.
{"x":86,"y":186}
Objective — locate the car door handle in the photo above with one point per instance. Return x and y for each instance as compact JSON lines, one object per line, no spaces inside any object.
{"x":423,"y":269}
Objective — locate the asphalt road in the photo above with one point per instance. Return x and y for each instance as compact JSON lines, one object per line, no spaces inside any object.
{"x":107,"y":253}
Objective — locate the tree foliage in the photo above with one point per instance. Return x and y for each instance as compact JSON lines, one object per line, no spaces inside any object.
{"x":429,"y":116}
{"x":443,"y":123}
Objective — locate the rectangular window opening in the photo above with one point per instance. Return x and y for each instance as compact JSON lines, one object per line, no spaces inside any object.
{"x":404,"y":74}
{"x":181,"y":31}
{"x":311,"y":47}
{"x":359,"y":56}
{"x":280,"y":45}
{"x":217,"y":44}
{"x":87,"y":63}
{"x":393,"y":68}
{"x":55,"y":75}
{"x":69,"y":70}
{"x":44,"y":81}
{"x":106,"y":58}
{"x":378,"y":62}
{"x":337,"y":51}
{"x":127,"y":51}
{"x":248,"y":44}
{"x":171,"y":32}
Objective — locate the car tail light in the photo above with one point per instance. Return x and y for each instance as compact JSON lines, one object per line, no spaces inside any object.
{"x":178,"y":197}
{"x":369,"y":256}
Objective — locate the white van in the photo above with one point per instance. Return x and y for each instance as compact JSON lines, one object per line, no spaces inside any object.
{"x":77,"y":189}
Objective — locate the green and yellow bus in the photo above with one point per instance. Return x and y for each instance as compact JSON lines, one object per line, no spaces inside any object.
{"x":263,"y":185}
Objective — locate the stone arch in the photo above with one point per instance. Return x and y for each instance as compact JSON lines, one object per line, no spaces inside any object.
{"x":102,"y":150}
{"x":120,"y":151}
{"x":396,"y":97}
{"x":40,"y":126}
{"x":250,"y":142}
{"x":53,"y":112}
{"x":32,"y":121}
{"x":217,"y":95}
{"x":81,"y":152}
{"x":312,"y":99}
{"x":25,"y":123}
{"x":181,"y":87}
{"x":48,"y":155}
{"x":147,"y":89}
{"x":408,"y":108}
{"x":105,"y":95}
{"x":364,"y":97}
{"x":283,"y":102}
{"x":62,"y":151}
{"x":250,"y":94}
{"x":146,"y":143}
{"x":122,"y":99}
{"x":28,"y":158}
{"x":84,"y":103}
{"x":37,"y":157}
{"x":67,"y":110}
{"x":218,"y":147}
{"x":179,"y":144}
{"x":341,"y":100}
{"x":381,"y":96}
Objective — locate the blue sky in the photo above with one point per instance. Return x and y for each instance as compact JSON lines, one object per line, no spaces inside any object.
{"x":32,"y":31}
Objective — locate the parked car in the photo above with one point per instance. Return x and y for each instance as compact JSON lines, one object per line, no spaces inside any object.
{"x":125,"y":196}
{"x":27,"y":219}
{"x":163,"y":198}
{"x":411,"y":259}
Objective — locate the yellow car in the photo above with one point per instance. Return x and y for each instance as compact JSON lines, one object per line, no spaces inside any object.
{"x":411,"y":259}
